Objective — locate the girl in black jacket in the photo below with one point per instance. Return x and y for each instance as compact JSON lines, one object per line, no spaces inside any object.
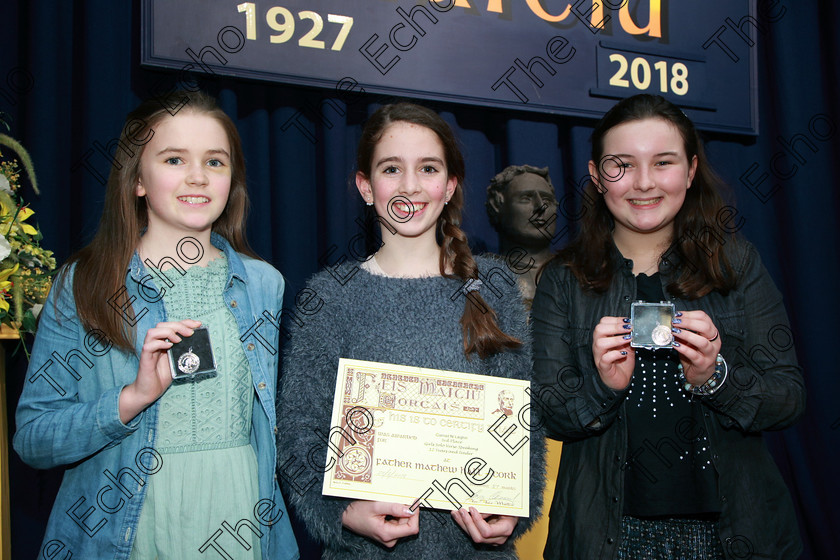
{"x":663,"y":455}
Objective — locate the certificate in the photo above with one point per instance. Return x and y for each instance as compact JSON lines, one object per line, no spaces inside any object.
{"x":429,"y":438}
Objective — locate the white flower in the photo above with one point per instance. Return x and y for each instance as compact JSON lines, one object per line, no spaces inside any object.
{"x":5,"y":248}
{"x":4,"y":185}
{"x":36,"y":309}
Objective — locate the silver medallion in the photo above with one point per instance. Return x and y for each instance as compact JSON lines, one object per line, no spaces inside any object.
{"x":189,"y":362}
{"x":661,"y":336}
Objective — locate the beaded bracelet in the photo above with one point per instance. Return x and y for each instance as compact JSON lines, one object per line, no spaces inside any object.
{"x":712,"y":384}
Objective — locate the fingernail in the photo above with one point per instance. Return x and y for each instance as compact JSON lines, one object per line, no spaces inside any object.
{"x":407,"y":511}
{"x":677,"y":321}
{"x":627,"y":336}
{"x":675,"y":330}
{"x":626,"y":319}
{"x":676,"y":343}
{"x":624,"y":352}
{"x":628,"y":327}
{"x":678,"y":314}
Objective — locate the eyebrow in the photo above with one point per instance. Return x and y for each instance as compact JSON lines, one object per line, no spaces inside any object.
{"x":631,"y":156}
{"x":170,"y":149}
{"x":398,"y":159}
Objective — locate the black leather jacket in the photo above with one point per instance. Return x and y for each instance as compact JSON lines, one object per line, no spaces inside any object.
{"x":764,"y":391}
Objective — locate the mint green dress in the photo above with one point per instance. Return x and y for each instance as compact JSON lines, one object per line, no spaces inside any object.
{"x":200,"y":504}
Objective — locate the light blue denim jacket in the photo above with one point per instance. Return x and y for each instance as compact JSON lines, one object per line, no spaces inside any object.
{"x":68,"y":415}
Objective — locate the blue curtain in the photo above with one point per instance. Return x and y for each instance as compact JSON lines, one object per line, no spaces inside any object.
{"x":69,"y":73}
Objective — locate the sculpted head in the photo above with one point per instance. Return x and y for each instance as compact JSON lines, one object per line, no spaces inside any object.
{"x":520,"y":204}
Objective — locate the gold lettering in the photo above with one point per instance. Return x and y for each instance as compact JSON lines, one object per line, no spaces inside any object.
{"x":492,"y":5}
{"x":540,"y":12}
{"x":654,"y":26}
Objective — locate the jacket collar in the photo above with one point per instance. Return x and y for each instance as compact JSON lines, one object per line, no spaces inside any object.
{"x":668,"y":265}
{"x":236,"y":268}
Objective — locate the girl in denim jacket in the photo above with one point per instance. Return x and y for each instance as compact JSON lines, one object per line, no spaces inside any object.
{"x":157,"y":468}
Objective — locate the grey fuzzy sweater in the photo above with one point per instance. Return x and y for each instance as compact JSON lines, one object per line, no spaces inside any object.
{"x":409,"y":321}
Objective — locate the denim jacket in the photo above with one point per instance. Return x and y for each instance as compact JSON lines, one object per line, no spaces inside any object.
{"x":68,"y":415}
{"x":764,"y":391}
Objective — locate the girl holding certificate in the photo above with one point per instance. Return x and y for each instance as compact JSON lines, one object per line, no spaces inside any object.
{"x":417,"y":301}
{"x":156,"y":467}
{"x":661,"y":407}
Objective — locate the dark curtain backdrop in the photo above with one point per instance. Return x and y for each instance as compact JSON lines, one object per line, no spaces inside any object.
{"x":69,"y":73}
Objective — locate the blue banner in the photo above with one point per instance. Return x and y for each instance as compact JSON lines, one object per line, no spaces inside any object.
{"x":553,"y":56}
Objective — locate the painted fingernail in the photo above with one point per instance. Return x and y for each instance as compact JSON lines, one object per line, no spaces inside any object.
{"x":678,"y":314}
{"x":624,"y":352}
{"x":675,"y":330}
{"x":677,"y":321}
{"x":626,"y":319}
{"x":627,"y":336}
{"x":676,"y":343}
{"x":628,"y":327}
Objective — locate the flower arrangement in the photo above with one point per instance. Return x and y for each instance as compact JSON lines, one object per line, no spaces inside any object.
{"x":26,"y":269}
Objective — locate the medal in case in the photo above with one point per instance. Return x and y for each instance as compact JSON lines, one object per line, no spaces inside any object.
{"x":651,"y":324}
{"x":192,"y":358}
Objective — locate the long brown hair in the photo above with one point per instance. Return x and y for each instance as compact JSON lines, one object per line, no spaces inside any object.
{"x":696,"y":242}
{"x":482,"y":334}
{"x":101,"y":266}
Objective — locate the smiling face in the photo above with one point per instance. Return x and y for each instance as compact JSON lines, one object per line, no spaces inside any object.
{"x":408,"y":181}
{"x":646,"y":173}
{"x":185,"y":174}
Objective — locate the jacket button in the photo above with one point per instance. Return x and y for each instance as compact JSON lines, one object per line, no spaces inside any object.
{"x":250,"y":346}
{"x":610,"y":540}
{"x":261,"y":386}
{"x":615,"y":499}
{"x":723,"y":499}
{"x":626,"y":298}
{"x":233,"y":303}
{"x":715,"y":456}
{"x":618,"y":458}
{"x":275,"y":429}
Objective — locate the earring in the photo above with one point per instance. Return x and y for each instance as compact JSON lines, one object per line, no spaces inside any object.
{"x":369,"y":203}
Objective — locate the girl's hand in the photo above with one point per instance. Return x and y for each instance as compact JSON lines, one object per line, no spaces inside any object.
{"x":383,"y":522}
{"x":154,"y":375}
{"x":485,"y":528}
{"x":612,"y":353}
{"x":697,"y":340}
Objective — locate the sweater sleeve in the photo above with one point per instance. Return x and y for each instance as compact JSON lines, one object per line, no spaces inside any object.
{"x":512,"y":318}
{"x":307,"y":385}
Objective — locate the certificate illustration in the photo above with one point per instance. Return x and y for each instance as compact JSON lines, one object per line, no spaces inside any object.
{"x":429,"y":438}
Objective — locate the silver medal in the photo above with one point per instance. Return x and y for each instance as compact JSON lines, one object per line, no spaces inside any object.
{"x":189,"y":362}
{"x":661,"y":336}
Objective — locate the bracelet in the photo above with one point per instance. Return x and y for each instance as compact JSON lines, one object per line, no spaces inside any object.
{"x":712,"y":384}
